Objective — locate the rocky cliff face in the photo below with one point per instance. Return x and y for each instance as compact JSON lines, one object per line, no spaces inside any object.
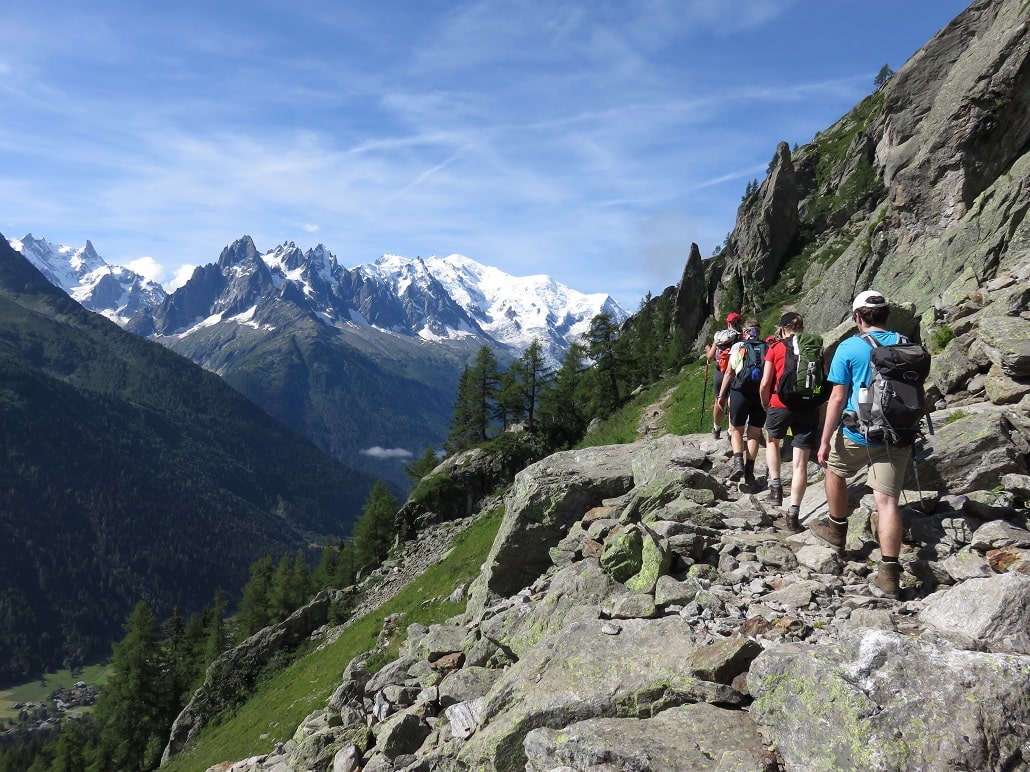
{"x":921,"y":191}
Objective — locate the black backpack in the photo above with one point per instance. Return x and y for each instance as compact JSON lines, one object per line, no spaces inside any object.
{"x":749,"y":376}
{"x":802,"y":383}
{"x":892,"y":405}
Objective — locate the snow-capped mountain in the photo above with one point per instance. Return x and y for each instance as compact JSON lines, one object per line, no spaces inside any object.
{"x":513,"y":310}
{"x":435,"y":299}
{"x":114,"y":291}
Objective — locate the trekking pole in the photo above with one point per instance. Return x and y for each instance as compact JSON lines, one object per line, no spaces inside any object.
{"x":704,"y":393}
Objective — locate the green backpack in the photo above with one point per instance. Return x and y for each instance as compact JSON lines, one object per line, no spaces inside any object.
{"x":803,"y":380}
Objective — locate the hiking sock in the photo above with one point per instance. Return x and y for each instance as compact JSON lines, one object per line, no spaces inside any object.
{"x":886,"y":559}
{"x":749,"y":469}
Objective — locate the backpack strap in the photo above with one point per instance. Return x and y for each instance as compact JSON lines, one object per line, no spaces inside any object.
{"x":874,"y":342}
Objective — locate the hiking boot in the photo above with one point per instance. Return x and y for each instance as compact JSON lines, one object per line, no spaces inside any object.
{"x":716,"y":432}
{"x":738,"y":468}
{"x":888,"y":579}
{"x":775,"y":496}
{"x":794,"y":521}
{"x":831,"y":532}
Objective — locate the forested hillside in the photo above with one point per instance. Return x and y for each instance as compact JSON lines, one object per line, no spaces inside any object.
{"x":130,"y":474}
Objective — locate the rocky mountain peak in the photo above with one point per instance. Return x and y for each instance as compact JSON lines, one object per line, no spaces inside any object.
{"x":919,"y":191}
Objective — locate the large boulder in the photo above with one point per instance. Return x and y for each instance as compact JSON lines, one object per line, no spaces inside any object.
{"x":698,"y":736}
{"x":589,"y":670}
{"x":883,"y":701}
{"x":975,"y":450}
{"x":1007,"y":340}
{"x":995,"y":611}
{"x":230,"y":677}
{"x":544,"y":500}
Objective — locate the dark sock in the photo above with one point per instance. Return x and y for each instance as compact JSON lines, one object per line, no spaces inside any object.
{"x":888,"y":560}
{"x":738,"y":455}
{"x":749,"y":466}
{"x":794,"y":509}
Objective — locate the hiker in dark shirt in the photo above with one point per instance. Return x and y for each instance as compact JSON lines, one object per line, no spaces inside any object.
{"x":739,"y":391}
{"x":718,"y":351}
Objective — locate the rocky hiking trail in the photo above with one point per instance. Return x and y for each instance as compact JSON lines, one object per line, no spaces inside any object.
{"x":671,"y":622}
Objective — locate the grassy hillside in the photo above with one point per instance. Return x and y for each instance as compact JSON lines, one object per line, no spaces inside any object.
{"x":285,"y":698}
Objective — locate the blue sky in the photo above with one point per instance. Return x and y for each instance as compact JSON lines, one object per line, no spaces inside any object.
{"x":593,"y":141}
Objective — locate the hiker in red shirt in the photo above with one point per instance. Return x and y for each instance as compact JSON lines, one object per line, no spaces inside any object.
{"x":798,"y":410}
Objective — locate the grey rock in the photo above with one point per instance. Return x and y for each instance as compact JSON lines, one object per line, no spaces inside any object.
{"x":796,"y":595}
{"x":542,"y":503}
{"x":669,"y":591}
{"x":966,"y":564}
{"x":995,"y":610}
{"x":682,"y":738}
{"x":1018,"y":485}
{"x":819,"y":558}
{"x":877,"y":724}
{"x":628,"y":675}
{"x":401,"y":734}
{"x":464,"y":717}
{"x":998,"y":533}
{"x":466,"y":684}
{"x":970,"y":455}
{"x":631,"y":605}
{"x":1007,"y":339}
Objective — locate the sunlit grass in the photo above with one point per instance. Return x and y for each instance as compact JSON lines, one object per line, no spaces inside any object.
{"x":283,"y":700}
{"x":682,"y":413}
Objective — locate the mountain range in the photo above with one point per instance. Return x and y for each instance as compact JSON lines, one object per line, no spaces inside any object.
{"x":128,"y":474}
{"x":364,"y":361}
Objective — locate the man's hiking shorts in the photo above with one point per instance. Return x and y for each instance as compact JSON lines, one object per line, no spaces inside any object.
{"x":886,"y":464}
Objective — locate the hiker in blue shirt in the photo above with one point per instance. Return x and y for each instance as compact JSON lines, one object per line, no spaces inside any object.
{"x":844,"y":452}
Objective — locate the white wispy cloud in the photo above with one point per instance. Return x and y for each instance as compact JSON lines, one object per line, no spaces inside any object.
{"x":387,"y":454}
{"x":590,"y":141}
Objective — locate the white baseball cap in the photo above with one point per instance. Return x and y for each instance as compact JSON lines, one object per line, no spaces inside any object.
{"x":869,"y":299}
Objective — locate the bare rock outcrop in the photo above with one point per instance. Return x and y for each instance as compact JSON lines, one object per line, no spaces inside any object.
{"x":923,"y":189}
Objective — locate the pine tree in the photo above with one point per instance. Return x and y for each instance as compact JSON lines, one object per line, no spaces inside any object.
{"x":529,"y":375}
{"x":218,"y":633}
{"x":255,"y":605}
{"x":347,"y":565}
{"x":323,"y":576}
{"x":423,"y":465}
{"x":601,"y":347}
{"x":374,"y":531}
{"x":563,"y":415}
{"x":131,"y":709}
{"x":178,"y":669}
{"x":475,"y":403}
{"x":280,"y":600}
{"x":461,"y":434}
